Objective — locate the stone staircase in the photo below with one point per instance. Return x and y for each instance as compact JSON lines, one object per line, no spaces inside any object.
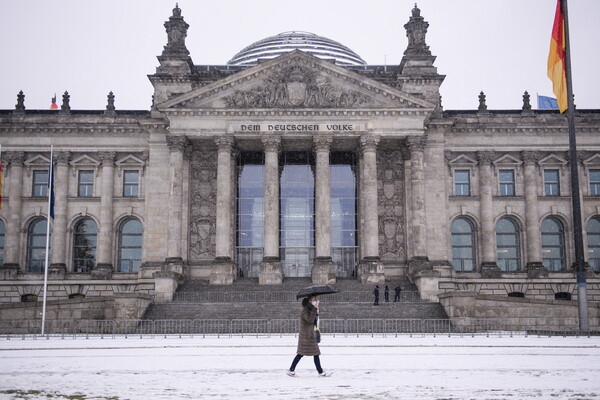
{"x":246,"y":299}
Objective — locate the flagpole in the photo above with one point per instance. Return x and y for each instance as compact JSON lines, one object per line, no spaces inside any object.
{"x":50,"y":183}
{"x":582,"y":300}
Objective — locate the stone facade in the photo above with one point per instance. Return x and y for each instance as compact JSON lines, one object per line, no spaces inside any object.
{"x":173,"y":171}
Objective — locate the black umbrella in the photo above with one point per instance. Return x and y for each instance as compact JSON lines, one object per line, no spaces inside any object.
{"x":316,"y":290}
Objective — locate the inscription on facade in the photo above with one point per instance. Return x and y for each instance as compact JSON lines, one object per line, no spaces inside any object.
{"x":296,"y":127}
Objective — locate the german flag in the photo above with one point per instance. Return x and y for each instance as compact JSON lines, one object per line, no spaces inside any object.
{"x":557,"y":62}
{"x":54,"y":106}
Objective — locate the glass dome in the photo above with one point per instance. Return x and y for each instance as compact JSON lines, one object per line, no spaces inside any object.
{"x":277,"y":45}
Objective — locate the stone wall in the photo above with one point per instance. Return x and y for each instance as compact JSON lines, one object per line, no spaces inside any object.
{"x":515,"y":313}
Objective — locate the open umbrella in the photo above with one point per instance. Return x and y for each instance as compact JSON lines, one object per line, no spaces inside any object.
{"x":316,"y":290}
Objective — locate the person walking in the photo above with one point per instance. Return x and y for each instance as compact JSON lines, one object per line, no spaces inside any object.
{"x":309,"y":336}
{"x":397,"y":293}
{"x":386,"y":294}
{"x":376,"y":293}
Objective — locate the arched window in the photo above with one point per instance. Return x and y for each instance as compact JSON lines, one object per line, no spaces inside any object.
{"x":593,"y":236}
{"x":130,"y":246}
{"x":84,"y":245}
{"x":508,"y":250}
{"x":2,"y":236}
{"x":553,"y":244}
{"x":463,"y":244}
{"x":36,"y":245}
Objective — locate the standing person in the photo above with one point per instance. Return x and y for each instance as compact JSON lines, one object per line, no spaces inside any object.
{"x":376,"y":293}
{"x":386,"y":294}
{"x":397,"y":293}
{"x":307,"y":338}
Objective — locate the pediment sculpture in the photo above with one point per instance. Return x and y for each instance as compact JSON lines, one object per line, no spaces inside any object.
{"x":296,"y":86}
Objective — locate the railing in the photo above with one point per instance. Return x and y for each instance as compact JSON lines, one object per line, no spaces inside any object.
{"x":281,"y":327}
{"x":211,"y":296}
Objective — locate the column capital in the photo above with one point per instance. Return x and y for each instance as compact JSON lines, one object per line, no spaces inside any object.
{"x":15,"y":157}
{"x":416,"y":143}
{"x":322,"y":142}
{"x":271,"y":143}
{"x":485,"y":157}
{"x":177,"y":143}
{"x":62,"y":157}
{"x":531,"y":157}
{"x":369,"y":142}
{"x":107,"y":157}
{"x":224,"y":143}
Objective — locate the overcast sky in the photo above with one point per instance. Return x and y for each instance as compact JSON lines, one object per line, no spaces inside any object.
{"x":92,"y":47}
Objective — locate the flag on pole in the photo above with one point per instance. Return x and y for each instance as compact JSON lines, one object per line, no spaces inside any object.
{"x":557,"y":63}
{"x":1,"y":176}
{"x":51,"y":189}
{"x":547,"y":103}
{"x":54,"y":106}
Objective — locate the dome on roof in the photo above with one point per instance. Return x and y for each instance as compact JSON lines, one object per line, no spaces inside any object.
{"x":285,"y":42}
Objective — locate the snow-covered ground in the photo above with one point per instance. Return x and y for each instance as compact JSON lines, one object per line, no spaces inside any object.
{"x":254,"y":368}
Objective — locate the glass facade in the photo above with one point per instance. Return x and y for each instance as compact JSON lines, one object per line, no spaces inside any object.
{"x":297,"y":213}
{"x":84,"y":245}
{"x":553,"y":244}
{"x":343,"y":194}
{"x":463,"y":245}
{"x":250,"y":213}
{"x":508,"y":245}
{"x":593,"y":239}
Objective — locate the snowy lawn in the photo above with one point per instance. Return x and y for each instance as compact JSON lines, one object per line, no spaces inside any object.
{"x":254,"y":368}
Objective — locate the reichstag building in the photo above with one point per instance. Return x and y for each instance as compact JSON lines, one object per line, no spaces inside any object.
{"x":297,"y":159}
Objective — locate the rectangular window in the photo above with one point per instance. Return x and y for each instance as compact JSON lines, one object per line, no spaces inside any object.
{"x":462,"y":183}
{"x":507,"y":182}
{"x":131,"y":183}
{"x":40,"y":183}
{"x":595,"y":182}
{"x":551,"y":182}
{"x":85,"y":185}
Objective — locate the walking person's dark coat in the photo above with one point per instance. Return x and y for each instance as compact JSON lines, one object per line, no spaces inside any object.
{"x":376,"y":293}
{"x":307,"y":343}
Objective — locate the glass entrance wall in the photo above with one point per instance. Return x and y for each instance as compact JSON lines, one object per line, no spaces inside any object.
{"x":297,"y":213}
{"x":250,"y":213}
{"x":342,"y":182}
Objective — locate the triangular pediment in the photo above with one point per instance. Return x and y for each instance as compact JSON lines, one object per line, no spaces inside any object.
{"x":462,"y":160}
{"x":552,"y":159}
{"x":507,"y":160}
{"x":593,"y":160}
{"x":296,"y":80}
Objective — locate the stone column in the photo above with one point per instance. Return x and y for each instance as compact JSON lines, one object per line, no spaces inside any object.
{"x":535,"y":267}
{"x":323,"y":271}
{"x":270,"y":267}
{"x":419,"y":260}
{"x":489,"y":267}
{"x":223,"y":270}
{"x":370,"y":269}
{"x":104,"y":265}
{"x":13,"y":226}
{"x":416,"y":145}
{"x":59,"y":227}
{"x":177,"y":145}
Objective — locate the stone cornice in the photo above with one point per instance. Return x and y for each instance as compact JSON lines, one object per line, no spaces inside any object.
{"x":297,"y":112}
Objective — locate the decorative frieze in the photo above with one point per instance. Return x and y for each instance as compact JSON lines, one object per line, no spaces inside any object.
{"x":107,"y":157}
{"x":391,"y":197}
{"x":203,"y":188}
{"x":369,"y":142}
{"x":178,"y":143}
{"x":322,"y":143}
{"x":485,"y":157}
{"x":271,"y":143}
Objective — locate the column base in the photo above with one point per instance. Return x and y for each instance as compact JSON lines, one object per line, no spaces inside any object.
{"x":418,"y":264}
{"x":222,"y":272}
{"x":102,"y":271}
{"x":165,"y":285}
{"x":323,"y":271}
{"x":173,"y":264}
{"x":490,"y":270}
{"x":536,"y":270}
{"x":371,"y":272}
{"x":57,"y":271}
{"x":9,"y":271}
{"x":270,"y":271}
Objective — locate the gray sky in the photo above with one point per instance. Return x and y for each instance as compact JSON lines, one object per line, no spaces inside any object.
{"x":92,"y":47}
